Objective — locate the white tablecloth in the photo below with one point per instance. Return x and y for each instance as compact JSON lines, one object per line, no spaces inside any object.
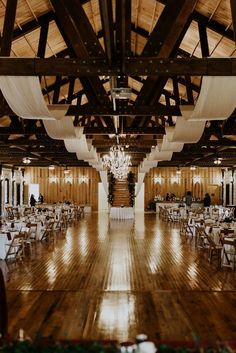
{"x":122,"y":212}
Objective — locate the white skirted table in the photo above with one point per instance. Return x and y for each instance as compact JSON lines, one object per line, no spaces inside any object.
{"x":122,"y":213}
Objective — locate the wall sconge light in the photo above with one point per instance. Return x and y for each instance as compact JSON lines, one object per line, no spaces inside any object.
{"x":51,"y":167}
{"x":157,"y":180}
{"x":192,"y":167}
{"x":53,"y":179}
{"x":196,"y":179}
{"x":175,"y":179}
{"x":83,"y":179}
{"x":68,"y":179}
{"x":66,"y":171}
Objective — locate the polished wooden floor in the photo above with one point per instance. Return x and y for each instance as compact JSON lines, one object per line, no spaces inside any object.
{"x":113,"y":279}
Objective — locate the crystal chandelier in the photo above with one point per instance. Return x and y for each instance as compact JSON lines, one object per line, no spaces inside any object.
{"x":117,"y":162}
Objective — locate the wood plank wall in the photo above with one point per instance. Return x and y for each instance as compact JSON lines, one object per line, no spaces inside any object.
{"x":210,"y":181}
{"x":77,"y":191}
{"x":87,"y":192}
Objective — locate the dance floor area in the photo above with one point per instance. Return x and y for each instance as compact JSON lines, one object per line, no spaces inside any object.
{"x":109,"y":279}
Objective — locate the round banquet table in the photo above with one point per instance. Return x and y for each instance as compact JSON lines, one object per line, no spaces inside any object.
{"x":122,"y":213}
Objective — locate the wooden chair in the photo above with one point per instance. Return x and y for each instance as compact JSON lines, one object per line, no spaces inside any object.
{"x":32,"y":231}
{"x":3,"y":306}
{"x":214,"y":250}
{"x":229,"y":254}
{"x":16,"y":249}
{"x":201,"y":241}
{"x":48,"y":232}
{"x":81,"y":211}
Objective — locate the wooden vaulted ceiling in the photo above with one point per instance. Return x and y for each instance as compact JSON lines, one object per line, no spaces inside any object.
{"x":115,"y":43}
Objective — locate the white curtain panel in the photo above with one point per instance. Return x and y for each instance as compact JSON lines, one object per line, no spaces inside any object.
{"x":140,"y":182}
{"x":185,"y":131}
{"x":24,"y":96}
{"x":217,"y":99}
{"x":60,"y":129}
{"x":166,"y":145}
{"x":103,"y":176}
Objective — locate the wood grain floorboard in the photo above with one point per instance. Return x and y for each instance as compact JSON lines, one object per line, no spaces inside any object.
{"x":113,"y":279}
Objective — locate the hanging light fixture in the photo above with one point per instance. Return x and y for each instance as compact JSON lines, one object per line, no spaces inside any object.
{"x":66,"y":171}
{"x":217,"y":161}
{"x":117,"y":162}
{"x":26,"y":160}
{"x":178,"y":171}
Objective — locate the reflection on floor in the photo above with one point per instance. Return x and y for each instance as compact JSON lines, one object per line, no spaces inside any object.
{"x":113,"y":279}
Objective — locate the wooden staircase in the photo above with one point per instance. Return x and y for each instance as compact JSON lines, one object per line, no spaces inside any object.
{"x":121,"y":194}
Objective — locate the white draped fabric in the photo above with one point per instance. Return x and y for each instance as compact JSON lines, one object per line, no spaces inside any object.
{"x":60,"y":129}
{"x":103,"y":176}
{"x":217,"y":99}
{"x":170,"y":146}
{"x":84,"y":152}
{"x":160,"y":156}
{"x":58,"y":111}
{"x":147,"y":163}
{"x":185,"y":131}
{"x":77,"y":145}
{"x":24,"y":96}
{"x":140,"y":182}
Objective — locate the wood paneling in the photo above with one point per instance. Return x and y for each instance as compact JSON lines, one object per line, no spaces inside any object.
{"x":210,"y":181}
{"x":73,"y":189}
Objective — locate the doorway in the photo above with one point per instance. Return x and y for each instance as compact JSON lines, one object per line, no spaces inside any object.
{"x":227,"y":196}
{"x":17,"y":194}
{"x":34,"y":190}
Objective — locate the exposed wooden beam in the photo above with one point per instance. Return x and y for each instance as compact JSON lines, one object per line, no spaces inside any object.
{"x":203,"y":39}
{"x":78,"y":28}
{"x":101,"y":130}
{"x":171,"y":36}
{"x":163,"y":27}
{"x":107,"y":26}
{"x":189,"y":89}
{"x":213,"y":25}
{"x":43,"y":38}
{"x":123,"y":28}
{"x":8,"y":27}
{"x":166,"y":67}
{"x":158,"y":109}
{"x":233,"y":12}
